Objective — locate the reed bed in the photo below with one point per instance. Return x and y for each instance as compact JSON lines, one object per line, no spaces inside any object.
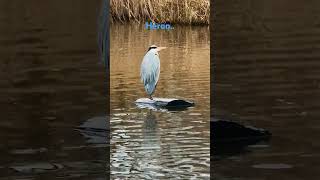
{"x":194,"y":12}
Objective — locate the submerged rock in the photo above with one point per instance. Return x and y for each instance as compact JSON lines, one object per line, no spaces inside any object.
{"x":164,"y":103}
{"x":38,"y":167}
{"x":229,"y":137}
{"x":96,"y":130}
{"x":227,"y":132}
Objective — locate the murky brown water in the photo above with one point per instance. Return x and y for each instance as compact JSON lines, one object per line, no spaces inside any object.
{"x":147,"y":144}
{"x":51,"y":82}
{"x":266,"y":74}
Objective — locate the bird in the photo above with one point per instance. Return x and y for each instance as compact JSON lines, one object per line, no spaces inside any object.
{"x":150,"y":69}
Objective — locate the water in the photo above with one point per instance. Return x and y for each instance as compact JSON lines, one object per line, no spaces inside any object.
{"x":266,"y":74}
{"x":51,"y":82}
{"x":148,"y":144}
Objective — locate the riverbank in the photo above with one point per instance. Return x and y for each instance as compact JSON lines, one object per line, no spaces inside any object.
{"x":191,"y":12}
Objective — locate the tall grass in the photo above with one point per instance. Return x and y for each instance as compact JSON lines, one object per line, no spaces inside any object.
{"x":160,"y":11}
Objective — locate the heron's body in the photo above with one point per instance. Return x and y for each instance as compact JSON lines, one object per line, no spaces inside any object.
{"x":150,"y":70}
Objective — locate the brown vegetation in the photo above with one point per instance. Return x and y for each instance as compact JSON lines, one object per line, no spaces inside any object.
{"x":160,"y":11}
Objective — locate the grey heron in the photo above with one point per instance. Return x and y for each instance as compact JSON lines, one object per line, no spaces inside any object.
{"x":150,"y":69}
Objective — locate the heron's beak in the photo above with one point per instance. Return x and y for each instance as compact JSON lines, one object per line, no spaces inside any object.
{"x":160,"y":48}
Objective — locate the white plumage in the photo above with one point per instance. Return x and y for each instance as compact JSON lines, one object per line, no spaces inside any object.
{"x":150,"y":69}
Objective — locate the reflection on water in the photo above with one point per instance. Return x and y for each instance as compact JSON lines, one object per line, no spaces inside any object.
{"x":152,"y":144}
{"x":266,"y":66}
{"x":51,"y":82}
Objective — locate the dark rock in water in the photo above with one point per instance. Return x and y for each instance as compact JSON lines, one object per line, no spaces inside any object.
{"x":96,"y":130}
{"x":179,"y":103}
{"x":39,"y":167}
{"x":231,"y":137}
{"x":170,"y":104}
{"x":98,"y":123}
{"x":228,"y":132}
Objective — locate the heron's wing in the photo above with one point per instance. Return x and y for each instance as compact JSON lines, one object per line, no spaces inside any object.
{"x":150,"y":71}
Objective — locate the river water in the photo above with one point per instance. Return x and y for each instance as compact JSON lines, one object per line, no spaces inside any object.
{"x":266,"y":74}
{"x":148,"y":144}
{"x":51,"y":82}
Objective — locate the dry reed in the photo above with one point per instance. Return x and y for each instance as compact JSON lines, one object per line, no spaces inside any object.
{"x":161,"y":11}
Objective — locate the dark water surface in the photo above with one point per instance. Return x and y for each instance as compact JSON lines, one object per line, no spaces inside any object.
{"x":148,"y":144}
{"x":51,"y":81}
{"x":267,"y":74}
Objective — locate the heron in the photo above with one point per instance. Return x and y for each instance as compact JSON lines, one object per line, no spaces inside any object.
{"x":150,"y":69}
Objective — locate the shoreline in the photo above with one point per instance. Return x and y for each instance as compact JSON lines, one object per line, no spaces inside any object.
{"x":189,"y":12}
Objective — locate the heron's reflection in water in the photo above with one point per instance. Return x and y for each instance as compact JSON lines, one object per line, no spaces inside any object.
{"x":150,"y":154}
{"x":150,"y":130}
{"x":143,"y":158}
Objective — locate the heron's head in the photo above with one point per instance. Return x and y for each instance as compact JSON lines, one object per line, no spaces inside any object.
{"x":156,"y":48}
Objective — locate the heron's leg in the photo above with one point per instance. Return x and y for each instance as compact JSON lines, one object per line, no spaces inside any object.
{"x":150,"y":97}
